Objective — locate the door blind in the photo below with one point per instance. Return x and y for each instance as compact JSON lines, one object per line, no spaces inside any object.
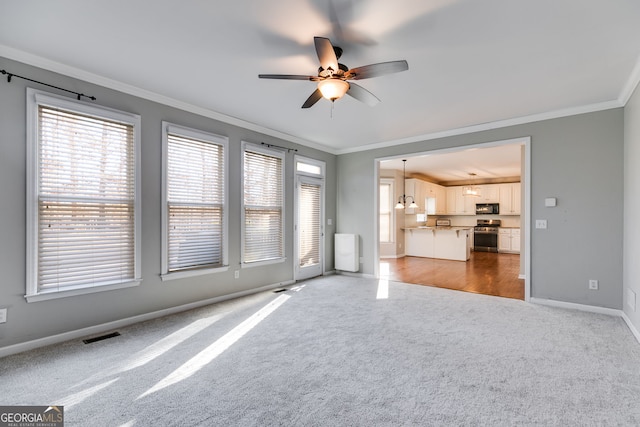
{"x":309,"y":224}
{"x":263,"y":207}
{"x":86,"y":192}
{"x":195,"y":203}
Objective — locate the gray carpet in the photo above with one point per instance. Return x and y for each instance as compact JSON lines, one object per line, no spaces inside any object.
{"x":328,"y":353}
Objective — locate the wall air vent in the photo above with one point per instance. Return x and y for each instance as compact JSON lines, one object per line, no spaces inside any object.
{"x":101,"y":337}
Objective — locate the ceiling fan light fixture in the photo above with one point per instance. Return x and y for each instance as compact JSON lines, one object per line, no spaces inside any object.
{"x":333,"y":89}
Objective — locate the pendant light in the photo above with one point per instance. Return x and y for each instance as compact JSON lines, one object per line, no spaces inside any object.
{"x":402,"y":201}
{"x":472,"y":189}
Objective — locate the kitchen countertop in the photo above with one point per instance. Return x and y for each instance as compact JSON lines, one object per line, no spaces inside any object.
{"x":422,"y":227}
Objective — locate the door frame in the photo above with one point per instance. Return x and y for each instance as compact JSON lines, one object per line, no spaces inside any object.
{"x":311,"y":171}
{"x":525,"y":215}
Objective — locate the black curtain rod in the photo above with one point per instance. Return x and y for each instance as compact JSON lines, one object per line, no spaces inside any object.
{"x":79,"y":95}
{"x":277,"y":146}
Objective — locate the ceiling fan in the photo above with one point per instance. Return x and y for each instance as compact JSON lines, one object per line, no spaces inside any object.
{"x":333,"y":77}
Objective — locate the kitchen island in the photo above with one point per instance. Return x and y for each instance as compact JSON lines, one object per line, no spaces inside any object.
{"x":451,"y":243}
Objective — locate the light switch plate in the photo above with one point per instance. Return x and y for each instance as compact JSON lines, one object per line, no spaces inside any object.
{"x":541,"y":223}
{"x":550,"y":202}
{"x":3,"y":315}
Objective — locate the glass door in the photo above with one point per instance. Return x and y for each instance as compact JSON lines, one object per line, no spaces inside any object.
{"x":309,"y":232}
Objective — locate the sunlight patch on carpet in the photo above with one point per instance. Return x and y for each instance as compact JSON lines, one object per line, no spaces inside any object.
{"x":383,"y":289}
{"x":79,"y":397}
{"x":170,"y":341}
{"x":203,"y":358}
{"x":383,"y":283}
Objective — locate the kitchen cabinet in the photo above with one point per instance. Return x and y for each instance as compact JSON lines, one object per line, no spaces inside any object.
{"x":489,"y":193}
{"x":458,"y":204}
{"x":509,"y":240}
{"x":430,"y":198}
{"x":452,"y":244}
{"x":419,"y":242}
{"x":435,"y":199}
{"x":432,"y":242}
{"x":510,"y":195}
{"x":441,"y":200}
{"x":411,"y":189}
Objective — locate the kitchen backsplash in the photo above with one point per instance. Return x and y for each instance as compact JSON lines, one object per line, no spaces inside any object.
{"x":411,"y":220}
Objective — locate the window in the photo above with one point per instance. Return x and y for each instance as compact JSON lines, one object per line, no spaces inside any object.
{"x":194,"y":202}
{"x":263,"y":205}
{"x":386,"y":211}
{"x":83,"y":205}
{"x":309,"y":167}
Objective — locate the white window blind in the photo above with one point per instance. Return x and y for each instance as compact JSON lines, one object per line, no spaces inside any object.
{"x":195,"y":203}
{"x":309,"y":223}
{"x":263,"y":207}
{"x":86,"y":199}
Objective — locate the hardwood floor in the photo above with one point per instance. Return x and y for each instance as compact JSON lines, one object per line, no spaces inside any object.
{"x":484,"y":273}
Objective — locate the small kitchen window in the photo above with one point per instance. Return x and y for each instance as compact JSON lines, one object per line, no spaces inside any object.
{"x":386,"y":211}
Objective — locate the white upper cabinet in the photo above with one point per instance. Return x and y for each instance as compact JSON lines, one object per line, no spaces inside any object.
{"x":510,"y":195}
{"x":411,"y":187}
{"x":457,"y":204}
{"x":489,"y":193}
{"x":441,"y":200}
{"x":430,"y":198}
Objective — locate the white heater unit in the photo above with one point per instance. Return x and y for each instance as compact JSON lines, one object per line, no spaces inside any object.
{"x":347,"y":252}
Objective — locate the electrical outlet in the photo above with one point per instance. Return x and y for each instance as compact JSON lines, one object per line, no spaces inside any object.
{"x":3,"y":315}
{"x":593,"y":284}
{"x":236,"y":274}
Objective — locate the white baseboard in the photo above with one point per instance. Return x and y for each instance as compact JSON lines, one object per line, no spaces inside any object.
{"x":347,"y":273}
{"x":109,"y":326}
{"x":591,"y":309}
{"x":574,"y":306}
{"x":634,"y":331}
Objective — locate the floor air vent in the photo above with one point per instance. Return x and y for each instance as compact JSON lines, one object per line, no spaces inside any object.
{"x":279,"y":290}
{"x":101,"y":337}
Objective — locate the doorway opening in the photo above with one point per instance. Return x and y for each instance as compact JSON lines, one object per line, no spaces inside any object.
{"x":434,"y":179}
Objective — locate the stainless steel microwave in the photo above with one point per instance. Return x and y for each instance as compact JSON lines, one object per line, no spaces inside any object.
{"x":487,"y":208}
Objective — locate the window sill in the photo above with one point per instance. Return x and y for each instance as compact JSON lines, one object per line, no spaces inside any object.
{"x":49,"y":295}
{"x":191,"y":273}
{"x":261,"y":263}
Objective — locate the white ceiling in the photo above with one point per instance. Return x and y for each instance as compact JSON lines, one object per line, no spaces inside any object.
{"x":488,"y":163}
{"x":471,"y":63}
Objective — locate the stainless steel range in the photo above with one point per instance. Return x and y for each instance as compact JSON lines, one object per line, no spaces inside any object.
{"x":485,"y":235}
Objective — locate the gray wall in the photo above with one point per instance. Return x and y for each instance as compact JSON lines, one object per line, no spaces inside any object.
{"x":578,"y":159}
{"x":632,"y":207}
{"x":30,"y":321}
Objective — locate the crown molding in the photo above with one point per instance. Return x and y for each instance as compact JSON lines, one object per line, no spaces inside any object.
{"x":40,"y":62}
{"x":632,"y":84}
{"x":69,"y":71}
{"x":490,"y":125}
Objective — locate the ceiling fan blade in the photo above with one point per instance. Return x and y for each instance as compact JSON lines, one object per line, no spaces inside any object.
{"x":287,"y":77}
{"x":326,"y":54}
{"x":315,"y":97}
{"x":361,"y":94}
{"x":375,"y":70}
